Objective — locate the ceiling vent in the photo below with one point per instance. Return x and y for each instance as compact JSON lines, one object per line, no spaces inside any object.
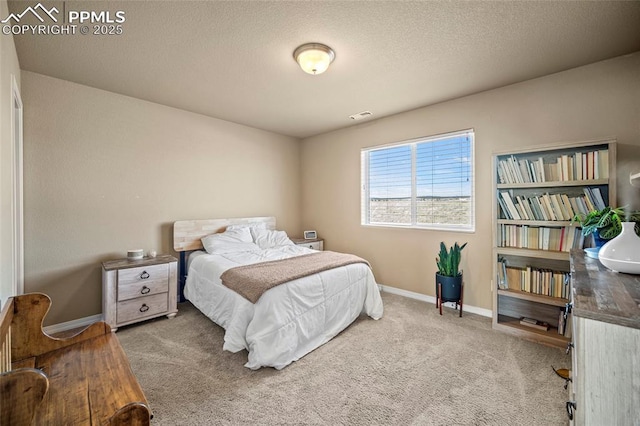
{"x":361,"y":115}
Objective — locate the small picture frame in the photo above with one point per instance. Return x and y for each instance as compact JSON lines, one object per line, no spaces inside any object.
{"x":310,"y":235}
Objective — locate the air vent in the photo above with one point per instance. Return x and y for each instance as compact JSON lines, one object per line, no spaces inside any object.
{"x":361,"y":115}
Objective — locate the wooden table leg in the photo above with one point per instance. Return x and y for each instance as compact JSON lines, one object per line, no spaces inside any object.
{"x":461,"y":298}
{"x":439,"y":301}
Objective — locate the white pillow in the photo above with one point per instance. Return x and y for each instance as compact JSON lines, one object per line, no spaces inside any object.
{"x":265,"y":238}
{"x":232,"y":241}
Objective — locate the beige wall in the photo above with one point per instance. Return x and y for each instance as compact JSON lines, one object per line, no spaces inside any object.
{"x":8,"y":67}
{"x":105,"y":173}
{"x":596,"y":101}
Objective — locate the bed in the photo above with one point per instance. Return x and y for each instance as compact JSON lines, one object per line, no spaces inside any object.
{"x":288,"y":320}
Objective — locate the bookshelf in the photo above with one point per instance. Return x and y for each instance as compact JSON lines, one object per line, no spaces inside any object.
{"x":537,"y":192}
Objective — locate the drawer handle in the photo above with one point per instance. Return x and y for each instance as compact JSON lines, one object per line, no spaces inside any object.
{"x":569,"y":347}
{"x":145,"y":289}
{"x":144,"y":308}
{"x":144,"y":275}
{"x":567,"y":309}
{"x":571,"y":406}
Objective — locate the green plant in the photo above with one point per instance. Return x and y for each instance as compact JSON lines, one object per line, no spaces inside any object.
{"x":449,"y":261}
{"x":607,"y":222}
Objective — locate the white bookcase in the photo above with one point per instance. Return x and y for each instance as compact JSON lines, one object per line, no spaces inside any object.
{"x":537,"y":191}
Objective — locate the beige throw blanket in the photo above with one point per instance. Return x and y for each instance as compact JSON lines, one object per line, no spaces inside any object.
{"x":251,"y":281}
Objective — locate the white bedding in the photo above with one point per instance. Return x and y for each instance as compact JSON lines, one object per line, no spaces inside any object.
{"x":289,"y":320}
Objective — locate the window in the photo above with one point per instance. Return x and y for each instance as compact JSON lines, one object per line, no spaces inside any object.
{"x":424,"y":183}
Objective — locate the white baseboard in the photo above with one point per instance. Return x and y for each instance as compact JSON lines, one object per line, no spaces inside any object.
{"x":80,"y":322}
{"x":430,"y":299}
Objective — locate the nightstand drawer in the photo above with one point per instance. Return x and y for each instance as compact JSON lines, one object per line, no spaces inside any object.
{"x":316,"y":245}
{"x":142,"y":307}
{"x":141,"y":289}
{"x":144,"y":274}
{"x":146,"y":280}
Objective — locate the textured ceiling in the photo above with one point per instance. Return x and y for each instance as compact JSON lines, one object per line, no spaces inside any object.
{"x":233,"y":60}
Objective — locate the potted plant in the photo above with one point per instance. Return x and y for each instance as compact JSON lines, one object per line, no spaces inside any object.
{"x":606,"y":224}
{"x":449,"y":276}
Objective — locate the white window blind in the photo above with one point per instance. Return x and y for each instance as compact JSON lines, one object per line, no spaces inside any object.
{"x":425,"y":183}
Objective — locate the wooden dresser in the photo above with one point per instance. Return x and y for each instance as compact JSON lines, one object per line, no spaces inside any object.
{"x":137,"y":290}
{"x":606,"y":339}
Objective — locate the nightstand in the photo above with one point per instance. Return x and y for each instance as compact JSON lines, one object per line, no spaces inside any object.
{"x":138,"y":290}
{"x":315,"y":244}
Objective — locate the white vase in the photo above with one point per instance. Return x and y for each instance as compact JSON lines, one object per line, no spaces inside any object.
{"x":622,"y":254}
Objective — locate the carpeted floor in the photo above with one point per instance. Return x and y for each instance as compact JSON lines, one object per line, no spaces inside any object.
{"x":411,"y":367}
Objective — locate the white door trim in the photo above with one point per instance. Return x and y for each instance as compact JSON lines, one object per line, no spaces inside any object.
{"x":17,"y":200}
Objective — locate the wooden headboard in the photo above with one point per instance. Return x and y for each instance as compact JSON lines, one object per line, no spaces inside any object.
{"x":187,"y":236}
{"x":187,"y":233}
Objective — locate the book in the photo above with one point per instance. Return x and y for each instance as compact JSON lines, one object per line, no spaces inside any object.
{"x":547,"y":205}
{"x":502,"y":274}
{"x":513,"y":278}
{"x":579,"y":175}
{"x":604,"y":164}
{"x":504,"y":209}
{"x":501,"y":174}
{"x":541,"y":170}
{"x":524,"y":214}
{"x":509,"y":202}
{"x":588,"y":199}
{"x":527,"y":206}
{"x":564,"y":167}
{"x":561,"y":322}
{"x":533,"y":205}
{"x":567,"y":205}
{"x":525,"y":171}
{"x":563,"y":209}
{"x":515,"y":170}
{"x":568,"y":328}
{"x":534,"y":323}
{"x":555,"y":204}
{"x":599,"y":200}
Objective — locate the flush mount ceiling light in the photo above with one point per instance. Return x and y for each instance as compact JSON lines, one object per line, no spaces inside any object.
{"x":314,"y":58}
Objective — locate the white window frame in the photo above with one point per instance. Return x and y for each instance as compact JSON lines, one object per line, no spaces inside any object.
{"x":413,"y":143}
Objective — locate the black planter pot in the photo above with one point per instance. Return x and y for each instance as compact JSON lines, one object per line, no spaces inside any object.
{"x":451,"y":287}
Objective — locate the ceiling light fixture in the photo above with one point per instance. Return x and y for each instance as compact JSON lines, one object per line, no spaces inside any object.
{"x":314,"y":58}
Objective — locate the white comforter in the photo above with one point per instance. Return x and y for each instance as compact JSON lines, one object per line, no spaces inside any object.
{"x":289,"y":320}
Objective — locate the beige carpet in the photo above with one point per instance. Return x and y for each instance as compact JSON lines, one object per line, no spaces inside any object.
{"x":411,"y":367}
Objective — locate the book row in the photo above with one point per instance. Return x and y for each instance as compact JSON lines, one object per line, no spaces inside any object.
{"x":550,"y":207}
{"x":566,"y":167}
{"x":534,"y":323}
{"x":540,"y":237}
{"x":564,"y":324}
{"x":533,"y":280}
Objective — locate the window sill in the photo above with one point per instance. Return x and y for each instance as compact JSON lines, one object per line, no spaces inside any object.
{"x":443,"y":228}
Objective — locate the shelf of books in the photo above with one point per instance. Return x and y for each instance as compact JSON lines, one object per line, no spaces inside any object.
{"x":538,"y":192}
